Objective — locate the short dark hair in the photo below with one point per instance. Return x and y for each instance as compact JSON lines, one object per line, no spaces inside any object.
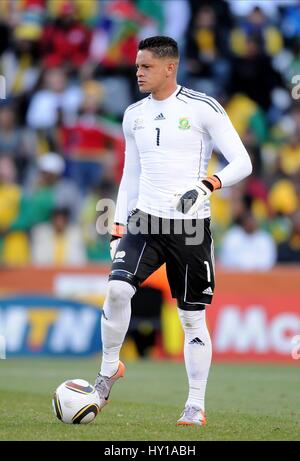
{"x":61,"y":211}
{"x":161,"y":46}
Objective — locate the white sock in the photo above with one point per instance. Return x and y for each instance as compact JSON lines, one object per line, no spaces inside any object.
{"x":114,"y":323}
{"x":197,"y":354}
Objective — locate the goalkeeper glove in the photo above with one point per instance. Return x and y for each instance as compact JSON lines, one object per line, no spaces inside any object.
{"x":116,"y":234}
{"x":189,"y":200}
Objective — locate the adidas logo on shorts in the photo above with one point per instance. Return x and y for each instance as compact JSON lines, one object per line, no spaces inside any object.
{"x":207,"y":291}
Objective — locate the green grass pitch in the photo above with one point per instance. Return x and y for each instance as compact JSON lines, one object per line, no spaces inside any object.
{"x":243,"y":402}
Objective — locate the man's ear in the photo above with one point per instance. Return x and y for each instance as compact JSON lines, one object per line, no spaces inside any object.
{"x":171,"y":68}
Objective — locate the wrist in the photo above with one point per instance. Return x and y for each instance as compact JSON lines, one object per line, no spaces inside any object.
{"x":212,"y":182}
{"x":118,"y":230}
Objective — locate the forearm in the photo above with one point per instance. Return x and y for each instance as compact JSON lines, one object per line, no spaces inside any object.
{"x":129,"y":186}
{"x":127,"y":198}
{"x":126,"y":201}
{"x":239,"y":166}
{"x":238,"y":169}
{"x":227,"y":140}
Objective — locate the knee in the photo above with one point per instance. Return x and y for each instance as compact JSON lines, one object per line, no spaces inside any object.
{"x":119,"y":293}
{"x":191,"y":319}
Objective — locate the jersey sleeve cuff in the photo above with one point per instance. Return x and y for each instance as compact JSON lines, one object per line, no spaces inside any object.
{"x":118,"y":230}
{"x":212,"y":182}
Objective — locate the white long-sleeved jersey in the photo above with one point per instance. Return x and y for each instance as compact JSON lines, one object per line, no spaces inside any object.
{"x":168,"y":146}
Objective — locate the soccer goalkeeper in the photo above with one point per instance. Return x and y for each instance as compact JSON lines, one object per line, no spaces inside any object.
{"x":163,"y":212}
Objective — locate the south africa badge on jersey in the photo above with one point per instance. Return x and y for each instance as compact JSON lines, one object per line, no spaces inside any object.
{"x":184,"y":123}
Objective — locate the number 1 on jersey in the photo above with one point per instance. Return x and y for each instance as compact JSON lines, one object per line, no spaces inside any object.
{"x":157,"y":136}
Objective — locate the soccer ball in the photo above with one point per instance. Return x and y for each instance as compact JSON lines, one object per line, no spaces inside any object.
{"x":76,"y":402}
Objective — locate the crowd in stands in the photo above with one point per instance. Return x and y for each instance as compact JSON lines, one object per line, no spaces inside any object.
{"x":69,"y":69}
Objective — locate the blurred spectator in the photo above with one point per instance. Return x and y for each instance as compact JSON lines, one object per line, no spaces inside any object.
{"x":205,"y":49}
{"x":58,"y":243}
{"x":283,"y":196}
{"x":56,"y":98}
{"x":19,"y":143}
{"x":247,"y":118}
{"x":10,"y":193}
{"x":221,"y":8}
{"x":253,"y":67}
{"x":96,"y":236}
{"x":290,"y":154}
{"x":48,"y":191}
{"x":245,"y":247}
{"x":20,"y":62}
{"x":258,"y":26}
{"x":66,"y":193}
{"x":65,"y":41}
{"x":14,"y":246}
{"x":289,"y":250}
{"x":88,"y":142}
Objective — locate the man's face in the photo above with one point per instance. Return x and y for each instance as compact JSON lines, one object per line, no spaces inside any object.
{"x":152,"y":72}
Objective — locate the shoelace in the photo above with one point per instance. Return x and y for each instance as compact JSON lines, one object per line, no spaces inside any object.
{"x":101,"y":385}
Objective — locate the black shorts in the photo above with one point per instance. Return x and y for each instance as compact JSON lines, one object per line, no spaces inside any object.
{"x":186,"y":246}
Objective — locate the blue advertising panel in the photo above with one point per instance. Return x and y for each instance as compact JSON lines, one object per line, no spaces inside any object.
{"x":40,"y":325}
